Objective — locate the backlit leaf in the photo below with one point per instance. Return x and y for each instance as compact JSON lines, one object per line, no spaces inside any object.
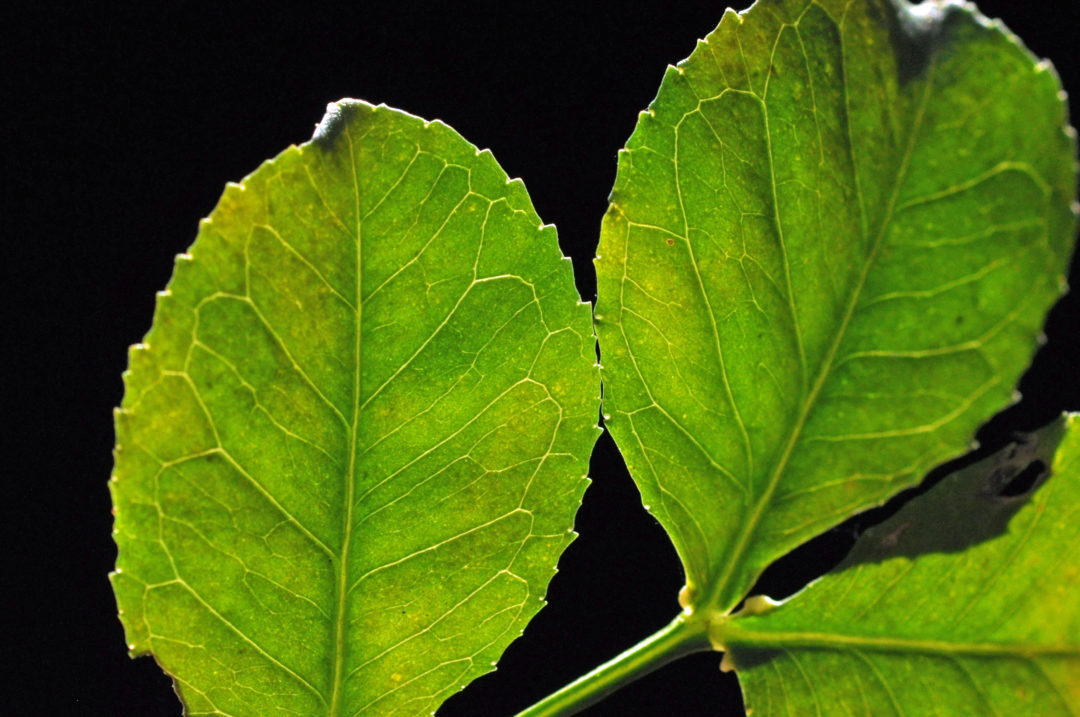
{"x":831,"y":244}
{"x":352,"y":445}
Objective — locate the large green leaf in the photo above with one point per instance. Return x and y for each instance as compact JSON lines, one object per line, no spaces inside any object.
{"x":918,"y":620}
{"x":831,"y":244}
{"x":352,"y":445}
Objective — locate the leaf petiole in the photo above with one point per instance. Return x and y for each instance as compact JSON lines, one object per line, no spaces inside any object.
{"x":686,"y":634}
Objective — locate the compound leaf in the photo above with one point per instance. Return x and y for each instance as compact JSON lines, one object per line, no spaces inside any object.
{"x":964,"y":602}
{"x":352,"y":445}
{"x":830,"y":247}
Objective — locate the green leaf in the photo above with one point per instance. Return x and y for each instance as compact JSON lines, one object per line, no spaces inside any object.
{"x":830,"y":248}
{"x":352,"y":445}
{"x":911,"y":623}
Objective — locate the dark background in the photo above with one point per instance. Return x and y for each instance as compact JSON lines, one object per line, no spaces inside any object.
{"x":128,"y":120}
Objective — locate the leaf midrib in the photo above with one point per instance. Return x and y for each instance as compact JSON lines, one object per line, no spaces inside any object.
{"x":342,"y":573}
{"x":732,"y":561}
{"x":735,"y":638}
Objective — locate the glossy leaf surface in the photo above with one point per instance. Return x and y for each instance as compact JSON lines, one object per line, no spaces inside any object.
{"x":964,"y":602}
{"x":352,"y":445}
{"x":830,"y":248}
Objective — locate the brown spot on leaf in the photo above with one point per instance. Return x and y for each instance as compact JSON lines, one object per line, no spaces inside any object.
{"x":890,"y":540}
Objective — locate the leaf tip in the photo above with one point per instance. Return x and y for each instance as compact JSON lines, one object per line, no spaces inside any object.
{"x":334,"y":120}
{"x":916,"y":32}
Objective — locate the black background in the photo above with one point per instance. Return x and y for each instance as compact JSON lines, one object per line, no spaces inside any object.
{"x":128,"y":120}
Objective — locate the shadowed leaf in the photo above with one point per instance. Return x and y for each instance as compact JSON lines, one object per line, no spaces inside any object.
{"x":898,"y":629}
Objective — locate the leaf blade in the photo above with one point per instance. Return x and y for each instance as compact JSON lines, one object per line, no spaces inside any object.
{"x":363,"y":409}
{"x":791,"y":263}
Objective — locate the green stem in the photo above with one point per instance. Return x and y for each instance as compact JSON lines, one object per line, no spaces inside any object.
{"x":684,"y":635}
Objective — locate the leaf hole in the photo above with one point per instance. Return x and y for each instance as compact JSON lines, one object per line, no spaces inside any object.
{"x":1022,"y":482}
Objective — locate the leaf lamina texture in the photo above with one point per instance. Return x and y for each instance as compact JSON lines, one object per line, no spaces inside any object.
{"x":352,"y":445}
{"x":830,"y":247}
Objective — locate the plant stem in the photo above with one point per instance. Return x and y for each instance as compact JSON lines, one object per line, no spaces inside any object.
{"x":685,"y":634}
